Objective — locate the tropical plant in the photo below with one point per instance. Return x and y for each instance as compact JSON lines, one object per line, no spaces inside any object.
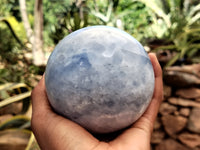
{"x":17,"y":125}
{"x":178,"y":22}
{"x":135,"y":18}
{"x":9,"y":22}
{"x":64,"y":17}
{"x":102,"y":12}
{"x":128,"y":15}
{"x":11,"y":43}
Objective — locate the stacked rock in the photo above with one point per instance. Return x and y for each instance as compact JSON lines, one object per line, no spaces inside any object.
{"x":178,"y":123}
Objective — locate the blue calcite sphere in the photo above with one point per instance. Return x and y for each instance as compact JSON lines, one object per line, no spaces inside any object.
{"x":99,"y":77}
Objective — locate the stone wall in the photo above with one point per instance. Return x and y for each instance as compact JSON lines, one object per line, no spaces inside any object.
{"x":178,"y":123}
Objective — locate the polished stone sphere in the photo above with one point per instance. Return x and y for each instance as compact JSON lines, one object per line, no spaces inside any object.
{"x":101,"y":78}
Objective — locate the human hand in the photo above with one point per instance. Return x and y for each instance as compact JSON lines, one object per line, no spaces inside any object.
{"x":54,"y":132}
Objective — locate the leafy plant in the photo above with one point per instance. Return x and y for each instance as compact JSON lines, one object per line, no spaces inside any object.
{"x":180,"y":21}
{"x":63,"y":17}
{"x":102,"y":12}
{"x":131,"y":16}
{"x":9,"y":22}
{"x":18,"y":125}
{"x":6,"y":7}
{"x":14,"y":92}
{"x":135,"y":18}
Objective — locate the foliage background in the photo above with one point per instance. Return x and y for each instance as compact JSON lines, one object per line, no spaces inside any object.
{"x":166,"y":26}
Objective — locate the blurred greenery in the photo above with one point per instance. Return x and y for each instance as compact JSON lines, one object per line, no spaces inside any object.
{"x":15,"y":93}
{"x":162,"y":25}
{"x":176,"y":22}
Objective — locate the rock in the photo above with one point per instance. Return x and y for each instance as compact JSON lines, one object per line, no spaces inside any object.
{"x":192,"y":69}
{"x":194,"y":121}
{"x":14,"y":139}
{"x":166,"y":109}
{"x":183,"y":76}
{"x":191,"y":140}
{"x":14,"y":108}
{"x":173,"y":124}
{"x":183,"y":102}
{"x":176,"y":113}
{"x":34,"y":80}
{"x":157,"y":124}
{"x":170,"y":144}
{"x":184,"y":112}
{"x":167,"y":91}
{"x":157,"y":136}
{"x":189,"y":93}
{"x":164,"y":56}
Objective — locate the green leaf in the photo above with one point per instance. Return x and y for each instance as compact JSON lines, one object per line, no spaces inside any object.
{"x":30,"y":142}
{"x":173,"y":60}
{"x":4,"y":94}
{"x":192,"y":52}
{"x":11,"y":86}
{"x":12,"y":31}
{"x":153,"y":5}
{"x":165,"y":47}
{"x":14,"y":122}
{"x":22,"y":96}
{"x":194,"y":10}
{"x":15,"y":98}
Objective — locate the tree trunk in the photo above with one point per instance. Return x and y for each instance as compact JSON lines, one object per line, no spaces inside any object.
{"x":29,"y":31}
{"x":36,"y":37}
{"x":38,"y":54}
